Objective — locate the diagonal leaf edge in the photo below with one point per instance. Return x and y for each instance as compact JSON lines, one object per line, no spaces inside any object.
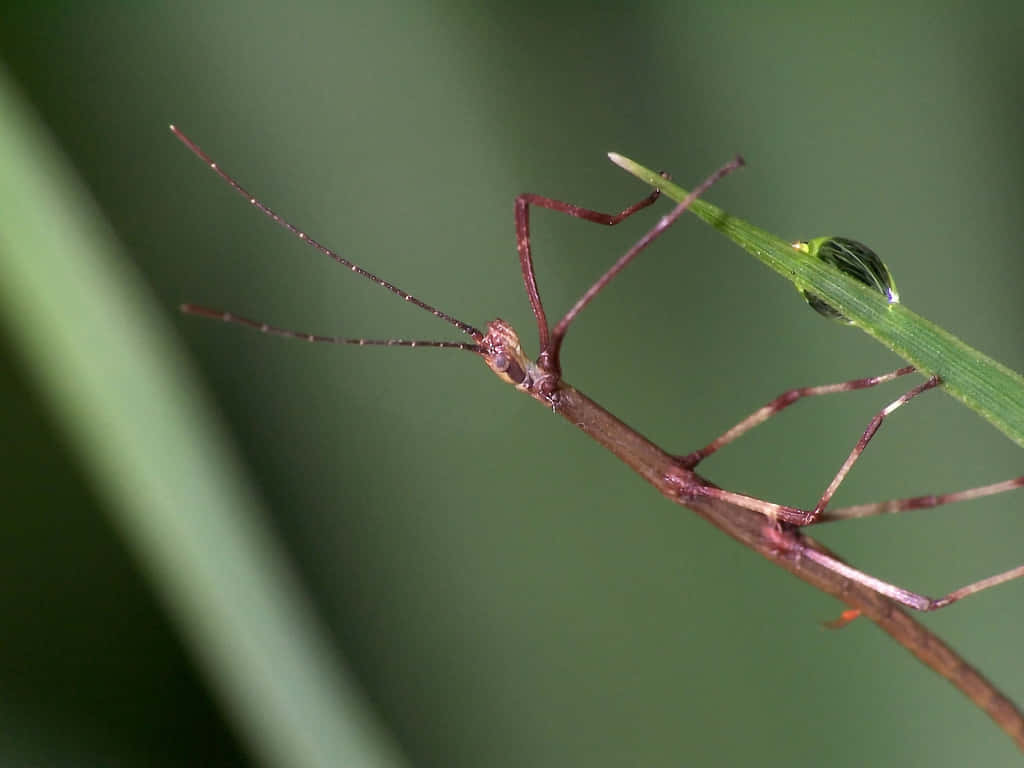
{"x":981,"y":383}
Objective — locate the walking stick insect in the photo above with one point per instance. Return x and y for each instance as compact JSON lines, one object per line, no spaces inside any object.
{"x":772,"y":529}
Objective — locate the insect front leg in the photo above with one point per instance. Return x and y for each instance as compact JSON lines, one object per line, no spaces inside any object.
{"x":523,"y":203}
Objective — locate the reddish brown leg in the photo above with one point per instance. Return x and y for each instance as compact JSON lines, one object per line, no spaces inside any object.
{"x":918,"y":502}
{"x":551,"y":342}
{"x":858,"y":449}
{"x":819,"y":514}
{"x":782,"y":402}
{"x":797,"y":548}
{"x":523,"y":203}
{"x":910,"y":599}
{"x":793,"y":515}
{"x":656,"y":231}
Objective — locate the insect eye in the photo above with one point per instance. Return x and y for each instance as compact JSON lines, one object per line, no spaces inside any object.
{"x":509,"y":368}
{"x":854,"y":259}
{"x":515,"y":372}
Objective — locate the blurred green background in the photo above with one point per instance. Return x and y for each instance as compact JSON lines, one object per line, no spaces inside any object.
{"x":503,"y":591}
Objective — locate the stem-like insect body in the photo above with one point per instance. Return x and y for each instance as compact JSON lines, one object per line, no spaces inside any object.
{"x":770,"y":529}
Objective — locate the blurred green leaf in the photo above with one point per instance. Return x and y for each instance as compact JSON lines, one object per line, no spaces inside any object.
{"x":123,"y":393}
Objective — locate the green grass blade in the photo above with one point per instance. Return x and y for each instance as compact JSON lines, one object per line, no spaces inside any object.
{"x":107,"y":365}
{"x":981,"y":383}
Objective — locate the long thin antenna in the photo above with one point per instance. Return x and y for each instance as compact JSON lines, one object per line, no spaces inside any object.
{"x":232,"y":319}
{"x":464,"y":327}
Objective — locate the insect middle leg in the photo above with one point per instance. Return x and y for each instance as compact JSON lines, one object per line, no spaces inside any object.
{"x":783,"y":401}
{"x":791,"y":516}
{"x":820,"y":513}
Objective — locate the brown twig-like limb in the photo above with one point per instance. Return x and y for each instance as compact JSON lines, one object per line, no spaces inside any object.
{"x":558,"y":334}
{"x":522,"y":216}
{"x":821,"y":514}
{"x":802,"y":517}
{"x":919,"y":502}
{"x":858,"y":449}
{"x":783,"y":401}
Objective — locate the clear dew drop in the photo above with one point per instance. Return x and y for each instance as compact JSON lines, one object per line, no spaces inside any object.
{"x":853,"y":259}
